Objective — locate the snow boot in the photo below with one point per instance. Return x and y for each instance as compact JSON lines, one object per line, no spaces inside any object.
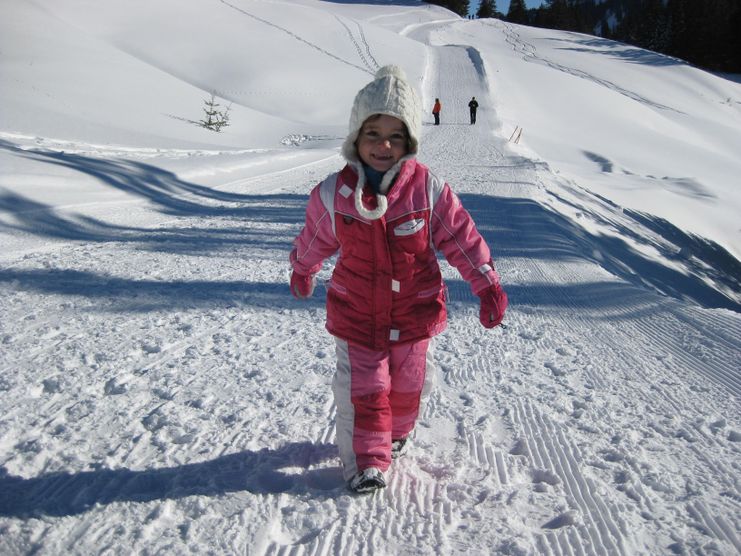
{"x":367,"y":480}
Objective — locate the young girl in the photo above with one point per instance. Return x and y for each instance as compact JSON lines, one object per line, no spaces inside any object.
{"x":386,"y":214}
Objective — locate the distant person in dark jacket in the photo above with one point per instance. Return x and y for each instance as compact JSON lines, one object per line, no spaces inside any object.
{"x":473,"y":106}
{"x":436,"y":111}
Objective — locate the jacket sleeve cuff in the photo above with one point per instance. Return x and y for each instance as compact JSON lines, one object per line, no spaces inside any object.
{"x":487,"y":277}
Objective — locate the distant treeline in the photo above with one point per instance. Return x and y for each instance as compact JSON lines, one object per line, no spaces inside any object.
{"x":706,"y":33}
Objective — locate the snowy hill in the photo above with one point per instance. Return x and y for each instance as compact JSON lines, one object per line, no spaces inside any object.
{"x":160,"y":391}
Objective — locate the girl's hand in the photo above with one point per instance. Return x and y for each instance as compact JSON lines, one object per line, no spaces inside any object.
{"x":302,"y":286}
{"x":493,"y":305}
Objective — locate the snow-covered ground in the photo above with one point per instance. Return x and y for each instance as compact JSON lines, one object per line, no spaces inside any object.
{"x":162,"y":392}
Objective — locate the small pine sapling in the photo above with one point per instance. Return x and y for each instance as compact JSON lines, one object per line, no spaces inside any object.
{"x":215,"y":119}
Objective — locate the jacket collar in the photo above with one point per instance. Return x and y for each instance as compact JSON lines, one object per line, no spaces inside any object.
{"x":388,"y":178}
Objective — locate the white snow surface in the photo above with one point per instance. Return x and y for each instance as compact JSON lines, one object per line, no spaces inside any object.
{"x":162,"y":393}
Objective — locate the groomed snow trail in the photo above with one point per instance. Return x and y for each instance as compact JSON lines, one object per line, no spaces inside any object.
{"x":568,"y":377}
{"x":163,"y":393}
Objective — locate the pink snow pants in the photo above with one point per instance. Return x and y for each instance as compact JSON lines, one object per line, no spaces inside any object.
{"x":378,"y":397}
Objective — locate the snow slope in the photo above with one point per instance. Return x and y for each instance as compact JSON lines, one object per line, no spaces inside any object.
{"x":161,"y":392}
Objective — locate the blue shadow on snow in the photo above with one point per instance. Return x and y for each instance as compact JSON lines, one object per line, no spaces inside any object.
{"x":166,"y":193}
{"x":523,"y":228}
{"x":514,"y":227}
{"x":67,"y":494}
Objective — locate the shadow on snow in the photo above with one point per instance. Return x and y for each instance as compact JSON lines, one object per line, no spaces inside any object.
{"x":622,"y":51}
{"x":290,"y":468}
{"x":137,"y":295}
{"x":163,"y":188}
{"x":514,"y":227}
{"x":518,"y":227}
{"x":166,"y":192}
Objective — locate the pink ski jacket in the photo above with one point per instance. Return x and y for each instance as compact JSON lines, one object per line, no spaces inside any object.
{"x":386,"y":286}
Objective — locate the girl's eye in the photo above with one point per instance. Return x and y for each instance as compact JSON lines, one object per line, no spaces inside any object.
{"x":396,"y":139}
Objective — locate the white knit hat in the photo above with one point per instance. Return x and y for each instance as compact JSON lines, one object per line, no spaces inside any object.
{"x":389,"y":93}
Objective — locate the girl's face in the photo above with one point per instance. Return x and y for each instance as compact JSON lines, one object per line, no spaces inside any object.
{"x":382,"y":141}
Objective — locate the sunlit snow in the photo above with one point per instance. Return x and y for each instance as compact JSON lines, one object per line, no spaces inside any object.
{"x":162,"y":392}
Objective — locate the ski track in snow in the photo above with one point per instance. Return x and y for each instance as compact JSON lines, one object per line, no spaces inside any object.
{"x":177,"y":359}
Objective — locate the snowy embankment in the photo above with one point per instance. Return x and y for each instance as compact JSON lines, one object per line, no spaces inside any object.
{"x":160,"y":391}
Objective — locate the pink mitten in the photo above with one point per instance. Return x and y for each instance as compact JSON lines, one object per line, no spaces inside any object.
{"x":493,"y":304}
{"x":301,"y":286}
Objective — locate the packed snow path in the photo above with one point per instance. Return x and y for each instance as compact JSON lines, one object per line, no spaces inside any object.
{"x":162,"y":392}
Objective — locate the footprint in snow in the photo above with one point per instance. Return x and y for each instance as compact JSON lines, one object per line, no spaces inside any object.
{"x":80,"y":410}
{"x":531,"y":335}
{"x":519,"y":448}
{"x":612,"y":456}
{"x":579,"y":408}
{"x":564,"y":520}
{"x":467,"y":399}
{"x":555,"y":369}
{"x":717,"y":426}
{"x":115,"y":387}
{"x":5,"y":384}
{"x":542,"y":477}
{"x":150,"y":346}
{"x":52,"y":385}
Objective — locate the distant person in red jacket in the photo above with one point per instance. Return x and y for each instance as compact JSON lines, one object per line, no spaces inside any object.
{"x":436,"y":111}
{"x":385,"y":214}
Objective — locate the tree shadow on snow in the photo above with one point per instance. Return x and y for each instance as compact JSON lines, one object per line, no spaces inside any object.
{"x":42,"y":220}
{"x":687,"y":266}
{"x":164,"y":191}
{"x":162,"y":188}
{"x":137,"y":295}
{"x":621,"y":51}
{"x":289,"y":469}
{"x":684,"y":269}
{"x":513,"y":227}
